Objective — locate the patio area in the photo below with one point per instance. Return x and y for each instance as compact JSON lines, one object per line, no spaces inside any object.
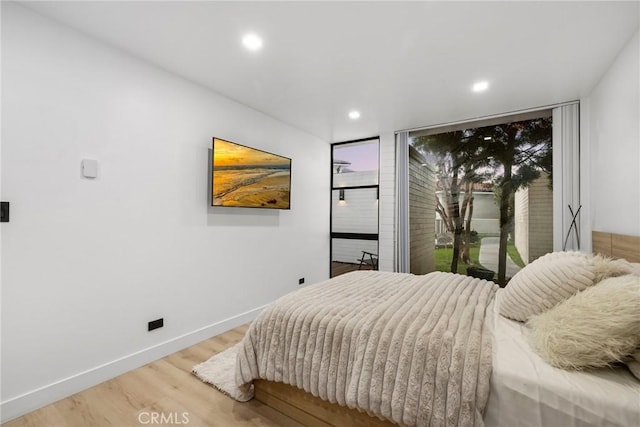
{"x":338,"y":268}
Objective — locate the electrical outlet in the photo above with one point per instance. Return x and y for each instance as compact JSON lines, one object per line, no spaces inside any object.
{"x":301,"y":281}
{"x":4,"y":211}
{"x":155,"y":324}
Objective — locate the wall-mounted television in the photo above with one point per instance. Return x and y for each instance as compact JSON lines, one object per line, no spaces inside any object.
{"x":249,"y":178}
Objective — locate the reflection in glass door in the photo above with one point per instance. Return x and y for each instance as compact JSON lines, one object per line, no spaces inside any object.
{"x":488,"y":191}
{"x":354,"y":206}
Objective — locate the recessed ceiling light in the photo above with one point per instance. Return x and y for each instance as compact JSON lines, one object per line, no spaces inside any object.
{"x":252,"y":42}
{"x":480,"y":86}
{"x":354,"y":115}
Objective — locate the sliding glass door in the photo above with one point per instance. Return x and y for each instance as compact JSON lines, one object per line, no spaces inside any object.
{"x":481,"y":196}
{"x":354,"y":206}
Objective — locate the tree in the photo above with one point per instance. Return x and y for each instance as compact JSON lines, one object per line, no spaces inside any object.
{"x":455,"y":157}
{"x":517,"y":151}
{"x":471,"y":177}
{"x":514,"y":153}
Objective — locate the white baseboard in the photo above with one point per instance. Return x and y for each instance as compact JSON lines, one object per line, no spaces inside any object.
{"x":32,"y":400}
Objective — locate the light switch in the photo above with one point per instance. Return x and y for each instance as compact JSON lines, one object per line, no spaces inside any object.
{"x":89,"y":168}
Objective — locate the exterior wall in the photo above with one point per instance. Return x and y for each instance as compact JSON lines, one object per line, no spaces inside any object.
{"x":357,"y":213}
{"x":486,"y":226}
{"x":521,"y":223}
{"x":387,"y":203}
{"x":534,"y":220}
{"x":347,"y":179}
{"x":540,"y":219}
{"x":486,"y":213}
{"x":422,"y":211}
{"x":350,"y":250}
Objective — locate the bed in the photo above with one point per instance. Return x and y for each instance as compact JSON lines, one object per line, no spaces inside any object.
{"x":518,"y":389}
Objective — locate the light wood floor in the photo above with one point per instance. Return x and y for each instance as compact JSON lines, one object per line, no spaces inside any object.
{"x":165,"y":387}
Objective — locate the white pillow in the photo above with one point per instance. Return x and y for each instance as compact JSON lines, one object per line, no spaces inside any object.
{"x":633,"y":267}
{"x":551,"y":279}
{"x":594,"y":328}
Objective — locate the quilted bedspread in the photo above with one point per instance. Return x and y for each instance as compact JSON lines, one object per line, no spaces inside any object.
{"x":411,"y":349}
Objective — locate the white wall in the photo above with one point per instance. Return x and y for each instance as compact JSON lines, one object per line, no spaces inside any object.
{"x":87,"y":263}
{"x":612,"y":116}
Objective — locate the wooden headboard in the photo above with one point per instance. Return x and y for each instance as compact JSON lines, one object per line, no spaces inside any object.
{"x":616,"y":245}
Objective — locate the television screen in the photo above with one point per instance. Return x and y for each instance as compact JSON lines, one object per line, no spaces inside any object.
{"x":249,"y":178}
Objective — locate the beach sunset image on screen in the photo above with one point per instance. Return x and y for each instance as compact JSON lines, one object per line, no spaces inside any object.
{"x":247,"y":177}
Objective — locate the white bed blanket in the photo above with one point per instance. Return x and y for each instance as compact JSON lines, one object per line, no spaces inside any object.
{"x":412,"y":349}
{"x":528,"y":392}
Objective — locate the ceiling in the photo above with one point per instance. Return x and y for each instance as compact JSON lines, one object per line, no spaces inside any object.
{"x":401,"y":64}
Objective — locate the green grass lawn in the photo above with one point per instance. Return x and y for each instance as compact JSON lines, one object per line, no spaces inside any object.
{"x":443,"y":259}
{"x":515,"y":255}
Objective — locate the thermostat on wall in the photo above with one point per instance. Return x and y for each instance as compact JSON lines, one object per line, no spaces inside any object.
{"x":89,"y":168}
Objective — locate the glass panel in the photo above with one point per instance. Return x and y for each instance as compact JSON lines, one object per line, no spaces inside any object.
{"x":355,"y":164}
{"x":355,"y":210}
{"x":347,"y":255}
{"x":354,"y":207}
{"x":491,"y":187}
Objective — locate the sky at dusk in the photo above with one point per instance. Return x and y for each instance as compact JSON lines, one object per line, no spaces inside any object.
{"x":363,"y":157}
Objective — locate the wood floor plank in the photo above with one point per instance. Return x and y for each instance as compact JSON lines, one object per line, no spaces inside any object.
{"x":165,"y":388}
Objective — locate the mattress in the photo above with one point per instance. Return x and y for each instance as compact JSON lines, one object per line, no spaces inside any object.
{"x":528,"y":392}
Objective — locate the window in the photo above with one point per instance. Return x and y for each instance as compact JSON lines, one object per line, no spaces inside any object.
{"x":480,"y":196}
{"x":354,"y":206}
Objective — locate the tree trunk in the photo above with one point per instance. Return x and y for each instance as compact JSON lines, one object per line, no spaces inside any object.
{"x":505,"y":220}
{"x":466,"y":257}
{"x":464,"y":250}
{"x":444,"y":215}
{"x":454,"y":214}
